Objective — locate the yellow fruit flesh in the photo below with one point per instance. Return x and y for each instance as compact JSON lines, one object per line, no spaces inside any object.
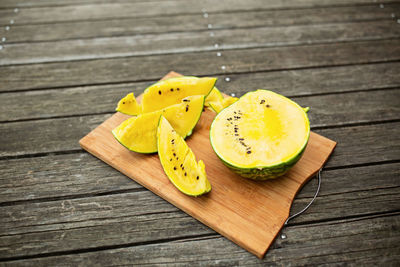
{"x":139,"y":133}
{"x":214,"y":96}
{"x":217,"y":106}
{"x":179,"y":162}
{"x":128,"y":105}
{"x":172,"y":91}
{"x":261,"y":129}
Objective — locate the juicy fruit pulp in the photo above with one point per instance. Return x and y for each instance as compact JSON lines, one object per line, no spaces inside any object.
{"x":172,"y":91}
{"x":261,"y":136}
{"x":179,"y":162}
{"x":217,"y":106}
{"x":139,"y":133}
{"x":214,"y":96}
{"x":128,"y":105}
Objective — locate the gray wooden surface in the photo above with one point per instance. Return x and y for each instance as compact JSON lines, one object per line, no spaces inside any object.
{"x":65,"y":64}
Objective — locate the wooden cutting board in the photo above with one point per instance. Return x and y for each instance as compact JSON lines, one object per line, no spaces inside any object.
{"x":250,"y":213}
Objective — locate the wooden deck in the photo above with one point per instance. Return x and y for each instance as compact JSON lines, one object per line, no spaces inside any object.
{"x":65,"y":64}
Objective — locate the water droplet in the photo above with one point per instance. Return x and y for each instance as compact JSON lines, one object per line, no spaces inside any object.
{"x":219,"y":54}
{"x":216,"y":45}
{"x":7,"y":28}
{"x":227,"y":79}
{"x":393,"y":15}
{"x":3,"y":39}
{"x":283,"y":236}
{"x":1,"y":47}
{"x":381,"y":5}
{"x":223,"y":67}
{"x":16,"y":10}
{"x":12,"y":21}
{"x":212,"y":34}
{"x":209,"y":26}
{"x":205,"y":15}
{"x":233,"y":94}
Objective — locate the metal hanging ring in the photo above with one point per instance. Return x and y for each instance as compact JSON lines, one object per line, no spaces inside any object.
{"x":312,"y":200}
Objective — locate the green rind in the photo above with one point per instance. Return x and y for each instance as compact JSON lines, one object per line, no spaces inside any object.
{"x":191,"y":130}
{"x":265,"y":172}
{"x":150,"y":152}
{"x":145,"y":152}
{"x":164,"y":167}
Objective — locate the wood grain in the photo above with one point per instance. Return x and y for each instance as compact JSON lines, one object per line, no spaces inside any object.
{"x":91,"y":72}
{"x":107,"y":10}
{"x":295,"y":83}
{"x":81,"y":175}
{"x":233,"y":207}
{"x":183,"y":42}
{"x":45,"y":135}
{"x":131,"y":218}
{"x":192,"y":22}
{"x":372,"y":240}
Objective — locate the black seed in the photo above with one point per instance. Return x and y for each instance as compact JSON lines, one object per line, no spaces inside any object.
{"x":170,"y":159}
{"x":248,"y":152}
{"x":177,"y":89}
{"x":174,"y":154}
{"x":262,"y":101}
{"x":123,"y":102}
{"x":241,"y":139}
{"x":236,"y":134}
{"x":175,"y":168}
{"x":267,"y":106}
{"x":172,"y":89}
{"x":177,"y":158}
{"x":185,"y":174}
{"x":187,"y":108}
{"x":197,"y":177}
{"x":159,"y":92}
{"x":181,"y":165}
{"x":186,"y":100}
{"x":234,"y":112}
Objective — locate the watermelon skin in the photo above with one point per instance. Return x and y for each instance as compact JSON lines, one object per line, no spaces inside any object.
{"x":267,"y":173}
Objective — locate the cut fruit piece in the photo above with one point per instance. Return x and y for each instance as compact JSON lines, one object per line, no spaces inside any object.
{"x":128,"y":105}
{"x":217,"y":106}
{"x":179,"y":162}
{"x":214,"y":96}
{"x":261,"y":136}
{"x":139,"y":133}
{"x":172,"y":91}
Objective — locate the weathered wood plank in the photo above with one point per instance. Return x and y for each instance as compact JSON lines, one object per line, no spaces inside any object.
{"x":41,"y":3}
{"x":55,"y":176}
{"x":207,"y":63}
{"x":326,"y":110}
{"x":182,"y":42}
{"x":46,"y":3}
{"x":97,"y":99}
{"x":132,"y":26}
{"x":133,"y":218}
{"x":370,"y":241}
{"x":46,"y":136}
{"x":109,"y":10}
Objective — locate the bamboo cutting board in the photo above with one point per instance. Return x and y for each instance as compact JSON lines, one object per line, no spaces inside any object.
{"x":250,"y":213}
